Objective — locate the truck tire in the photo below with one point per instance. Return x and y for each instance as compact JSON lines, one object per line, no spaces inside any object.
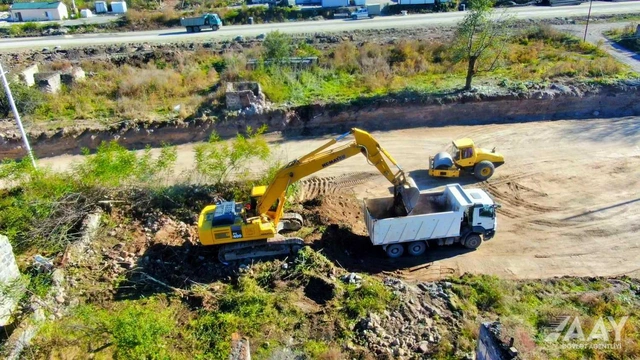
{"x":395,"y":250}
{"x":215,"y":27}
{"x":472,"y":241}
{"x":189,"y":29}
{"x":483,"y":170}
{"x":416,"y":248}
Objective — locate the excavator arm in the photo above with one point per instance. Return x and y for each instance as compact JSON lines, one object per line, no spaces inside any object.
{"x":406,"y":192}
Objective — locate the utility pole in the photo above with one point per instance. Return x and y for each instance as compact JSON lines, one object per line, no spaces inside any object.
{"x":16,"y":115}
{"x":588,"y":17}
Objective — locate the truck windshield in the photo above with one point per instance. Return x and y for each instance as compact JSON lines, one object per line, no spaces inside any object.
{"x":453,"y":151}
{"x":487,"y":211}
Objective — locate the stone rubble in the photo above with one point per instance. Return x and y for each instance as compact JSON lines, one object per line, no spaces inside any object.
{"x":411,"y":330}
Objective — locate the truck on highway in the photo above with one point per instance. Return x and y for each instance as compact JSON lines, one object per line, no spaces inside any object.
{"x":206,"y":21}
{"x":367,"y":12}
{"x":455,"y":215}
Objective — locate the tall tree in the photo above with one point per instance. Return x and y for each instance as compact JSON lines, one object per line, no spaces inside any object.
{"x":481,"y":37}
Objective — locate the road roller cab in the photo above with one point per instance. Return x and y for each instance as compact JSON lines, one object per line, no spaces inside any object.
{"x":464,"y":156}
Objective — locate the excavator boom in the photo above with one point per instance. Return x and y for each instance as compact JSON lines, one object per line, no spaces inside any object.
{"x":405,"y":188}
{"x":227,"y":224}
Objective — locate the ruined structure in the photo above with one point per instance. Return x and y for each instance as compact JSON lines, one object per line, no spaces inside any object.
{"x":48,"y":82}
{"x":491,"y":345}
{"x":243,"y":95}
{"x":72,"y":75}
{"x":27,"y":75}
{"x":9,"y":274}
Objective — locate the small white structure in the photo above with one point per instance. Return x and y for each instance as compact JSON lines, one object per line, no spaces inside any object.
{"x":86,"y":13}
{"x":9,"y":274}
{"x":38,"y":11}
{"x":101,"y":7}
{"x":119,"y":7}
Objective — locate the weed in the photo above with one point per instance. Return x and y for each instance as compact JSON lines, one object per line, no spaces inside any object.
{"x":371,"y":296}
{"x":130,"y":330}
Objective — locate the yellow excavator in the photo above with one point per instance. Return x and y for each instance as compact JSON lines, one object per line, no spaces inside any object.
{"x":253,"y":230}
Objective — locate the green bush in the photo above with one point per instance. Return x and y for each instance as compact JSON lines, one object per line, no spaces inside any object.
{"x":45,"y":209}
{"x":27,"y":99}
{"x":129,"y":330}
{"x":216,"y":160}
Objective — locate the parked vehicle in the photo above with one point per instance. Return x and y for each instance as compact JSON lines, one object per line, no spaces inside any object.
{"x":368,"y":12}
{"x":206,"y":21}
{"x":455,"y":215}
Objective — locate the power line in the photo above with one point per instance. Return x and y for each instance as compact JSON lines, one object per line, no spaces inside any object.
{"x":7,"y":89}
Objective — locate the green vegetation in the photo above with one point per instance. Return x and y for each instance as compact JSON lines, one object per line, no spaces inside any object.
{"x":626,"y":37}
{"x":144,"y":329}
{"x":345,"y":73}
{"x":526,"y":309}
{"x":44,"y":209}
{"x":217,"y":160}
{"x":480,"y":37}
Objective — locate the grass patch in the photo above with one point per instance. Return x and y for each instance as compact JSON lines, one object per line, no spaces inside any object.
{"x":625,"y":37}
{"x":528,"y":308}
{"x":344,"y":74}
{"x":147,"y":329}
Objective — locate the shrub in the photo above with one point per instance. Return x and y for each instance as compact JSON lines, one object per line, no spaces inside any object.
{"x":216,"y":160}
{"x":27,"y":99}
{"x":277,"y":46}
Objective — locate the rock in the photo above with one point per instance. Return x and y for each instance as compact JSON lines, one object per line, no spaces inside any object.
{"x":352,"y":278}
{"x":423,"y":347}
{"x":60,"y":299}
{"x":57,"y":277}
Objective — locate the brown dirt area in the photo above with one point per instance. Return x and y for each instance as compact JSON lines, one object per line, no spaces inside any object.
{"x":569,"y":195}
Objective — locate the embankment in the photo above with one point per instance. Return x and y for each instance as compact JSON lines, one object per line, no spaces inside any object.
{"x":554,"y":103}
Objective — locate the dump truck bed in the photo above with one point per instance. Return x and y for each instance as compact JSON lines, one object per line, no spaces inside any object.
{"x":192,"y":21}
{"x":437,"y":215}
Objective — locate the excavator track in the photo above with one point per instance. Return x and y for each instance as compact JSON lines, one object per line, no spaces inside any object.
{"x":259,"y":249}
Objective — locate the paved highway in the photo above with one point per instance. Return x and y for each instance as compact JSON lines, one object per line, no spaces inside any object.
{"x":177,"y":35}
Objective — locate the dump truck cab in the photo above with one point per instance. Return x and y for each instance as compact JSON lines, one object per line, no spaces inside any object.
{"x":463,"y":156}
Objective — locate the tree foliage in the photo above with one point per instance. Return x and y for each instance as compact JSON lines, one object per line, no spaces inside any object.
{"x":216,"y":160}
{"x":27,"y":99}
{"x":481,"y":37}
{"x":278,"y":46}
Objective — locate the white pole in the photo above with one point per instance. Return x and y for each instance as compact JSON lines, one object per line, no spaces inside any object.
{"x":17,"y":116}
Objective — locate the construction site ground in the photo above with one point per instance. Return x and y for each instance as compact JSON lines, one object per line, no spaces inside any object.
{"x":569,"y":192}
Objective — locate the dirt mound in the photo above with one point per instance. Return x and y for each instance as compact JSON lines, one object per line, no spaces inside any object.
{"x":342,"y":209}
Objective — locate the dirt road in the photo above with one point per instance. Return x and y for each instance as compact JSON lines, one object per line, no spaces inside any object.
{"x":595,"y":35}
{"x":570,"y":195}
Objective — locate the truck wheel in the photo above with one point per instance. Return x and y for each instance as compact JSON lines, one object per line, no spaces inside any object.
{"x":189,"y":29}
{"x":417,"y":248}
{"x":473,"y":241}
{"x":395,"y":250}
{"x":215,"y":27}
{"x":483,"y":170}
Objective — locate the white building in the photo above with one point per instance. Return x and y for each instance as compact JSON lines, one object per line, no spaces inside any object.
{"x":38,"y":11}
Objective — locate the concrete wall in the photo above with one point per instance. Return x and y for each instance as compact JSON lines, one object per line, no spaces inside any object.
{"x":490,"y":347}
{"x":28,"y":75}
{"x":242,"y":94}
{"x":9,"y":273}
{"x":48,"y":82}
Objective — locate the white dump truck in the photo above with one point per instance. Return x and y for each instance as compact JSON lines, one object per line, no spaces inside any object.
{"x":455,"y":215}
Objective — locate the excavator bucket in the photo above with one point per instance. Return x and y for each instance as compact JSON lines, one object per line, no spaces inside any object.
{"x":410,"y":195}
